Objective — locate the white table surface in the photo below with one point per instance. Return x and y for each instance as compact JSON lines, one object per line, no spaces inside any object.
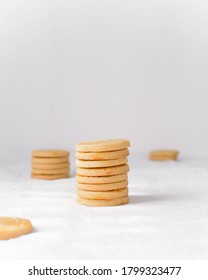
{"x":167,"y":217}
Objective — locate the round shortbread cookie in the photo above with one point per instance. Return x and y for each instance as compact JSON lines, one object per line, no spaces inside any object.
{"x":50,"y":166}
{"x":101,"y":180}
{"x":112,"y":202}
{"x":36,"y":160}
{"x":103,"y":145}
{"x":50,"y":153}
{"x":107,"y":171}
{"x":163,"y":155}
{"x":100,"y":163}
{"x":103,"y":155}
{"x":50,"y":177}
{"x":109,"y":195}
{"x":14,"y":227}
{"x":102,"y":187}
{"x":50,"y":172}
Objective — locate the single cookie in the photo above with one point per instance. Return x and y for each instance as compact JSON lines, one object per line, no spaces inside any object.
{"x":103,"y":155}
{"x":13,"y":227}
{"x":106,"y":171}
{"x":163,"y":155}
{"x":36,"y":160}
{"x":50,"y":172}
{"x":50,"y":153}
{"x":50,"y":166}
{"x":100,"y":163}
{"x":113,"y":202}
{"x":101,"y":180}
{"x":109,"y":195}
{"x":50,"y":177}
{"x":103,"y":145}
{"x":102,"y":187}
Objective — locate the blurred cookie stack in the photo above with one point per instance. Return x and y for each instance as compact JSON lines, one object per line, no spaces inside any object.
{"x":50,"y":164}
{"x":102,"y":168}
{"x":164,"y":155}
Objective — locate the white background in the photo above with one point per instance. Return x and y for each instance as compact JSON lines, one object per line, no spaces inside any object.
{"x":78,"y":70}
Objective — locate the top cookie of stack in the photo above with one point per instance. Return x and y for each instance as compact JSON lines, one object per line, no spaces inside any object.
{"x":50,"y":164}
{"x":102,"y":168}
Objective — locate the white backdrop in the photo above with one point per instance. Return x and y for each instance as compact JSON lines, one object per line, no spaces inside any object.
{"x":83,"y":70}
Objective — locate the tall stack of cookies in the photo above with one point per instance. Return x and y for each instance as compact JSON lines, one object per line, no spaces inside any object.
{"x":102,"y":168}
{"x":50,"y":164}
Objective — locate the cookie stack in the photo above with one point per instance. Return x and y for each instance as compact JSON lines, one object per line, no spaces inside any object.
{"x":50,"y":164}
{"x":102,"y":168}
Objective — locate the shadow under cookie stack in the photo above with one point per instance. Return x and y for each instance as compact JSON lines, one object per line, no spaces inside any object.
{"x":102,"y":168}
{"x":50,"y":164}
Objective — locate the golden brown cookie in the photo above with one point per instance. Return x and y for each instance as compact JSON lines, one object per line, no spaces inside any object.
{"x":36,"y":160}
{"x":97,"y":203}
{"x":50,"y":177}
{"x":50,"y":153}
{"x":102,"y":187}
{"x":163,"y":155}
{"x":100,"y":163}
{"x":106,"y":171}
{"x":50,"y":172}
{"x":103,"y":155}
{"x":14,"y":227}
{"x":103,"y":145}
{"x":108,"y":195}
{"x":101,"y":180}
{"x":50,"y":166}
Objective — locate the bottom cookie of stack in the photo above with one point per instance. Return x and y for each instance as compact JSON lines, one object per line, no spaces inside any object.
{"x":101,"y":202}
{"x":49,"y":177}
